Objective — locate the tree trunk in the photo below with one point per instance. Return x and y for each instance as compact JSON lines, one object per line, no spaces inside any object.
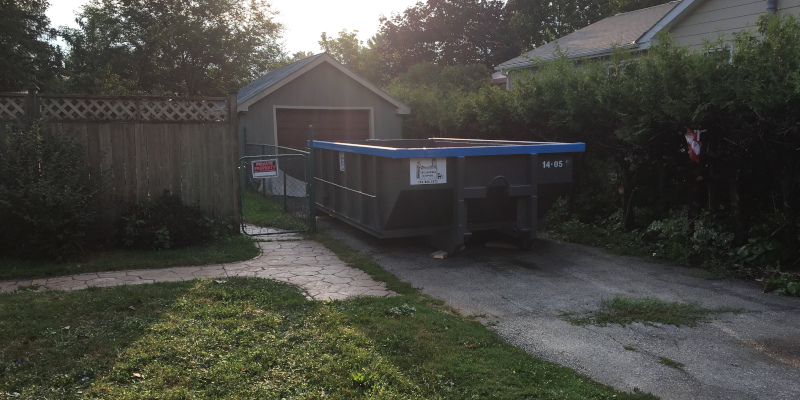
{"x":577,"y":178}
{"x":739,"y":228}
{"x":662,"y":190}
{"x":626,"y":192}
{"x":789,"y":231}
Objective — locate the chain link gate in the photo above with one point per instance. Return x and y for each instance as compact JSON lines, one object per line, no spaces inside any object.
{"x":277,"y":195}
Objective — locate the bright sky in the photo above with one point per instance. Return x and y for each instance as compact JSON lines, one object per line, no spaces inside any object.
{"x":303,"y":20}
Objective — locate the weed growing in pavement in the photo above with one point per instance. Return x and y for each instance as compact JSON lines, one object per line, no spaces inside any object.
{"x":649,"y":311}
{"x":671,"y":363}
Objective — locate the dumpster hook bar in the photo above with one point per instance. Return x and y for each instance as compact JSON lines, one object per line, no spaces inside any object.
{"x":346,"y":188}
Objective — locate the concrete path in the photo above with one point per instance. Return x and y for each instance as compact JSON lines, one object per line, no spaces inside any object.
{"x":303,"y":263}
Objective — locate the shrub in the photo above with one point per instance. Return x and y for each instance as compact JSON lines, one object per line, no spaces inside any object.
{"x":167,"y":223}
{"x":786,"y":284}
{"x":47,"y":201}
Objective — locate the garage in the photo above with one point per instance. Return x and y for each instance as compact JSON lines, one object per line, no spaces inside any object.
{"x":292,"y":125}
{"x":278,"y":107}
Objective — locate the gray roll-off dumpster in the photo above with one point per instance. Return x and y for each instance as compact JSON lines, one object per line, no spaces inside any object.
{"x":442,"y":189}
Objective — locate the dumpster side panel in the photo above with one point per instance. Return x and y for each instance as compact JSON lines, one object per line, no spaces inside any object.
{"x":444,"y":198}
{"x":411,"y":206}
{"x":555,"y":168}
{"x":486,"y":171}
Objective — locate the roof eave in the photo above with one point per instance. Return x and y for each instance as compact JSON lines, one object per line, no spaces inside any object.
{"x":667,"y":21}
{"x":585,"y":55}
{"x":401,"y":107}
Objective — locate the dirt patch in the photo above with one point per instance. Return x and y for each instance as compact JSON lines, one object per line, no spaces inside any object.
{"x":785,"y":350}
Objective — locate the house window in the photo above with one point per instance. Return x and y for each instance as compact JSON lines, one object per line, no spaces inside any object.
{"x":724,"y":52}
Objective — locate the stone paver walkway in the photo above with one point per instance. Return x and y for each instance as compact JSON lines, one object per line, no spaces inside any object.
{"x":303,"y":263}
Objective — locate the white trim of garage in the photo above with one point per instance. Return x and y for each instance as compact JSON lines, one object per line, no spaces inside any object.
{"x":275,"y":117}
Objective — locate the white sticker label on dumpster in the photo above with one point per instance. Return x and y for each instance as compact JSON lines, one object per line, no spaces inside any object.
{"x":341,"y":161}
{"x":428,"y":171}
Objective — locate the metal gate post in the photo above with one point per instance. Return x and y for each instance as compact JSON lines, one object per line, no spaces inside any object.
{"x":263,"y":180}
{"x":312,"y":199}
{"x":284,"y":189}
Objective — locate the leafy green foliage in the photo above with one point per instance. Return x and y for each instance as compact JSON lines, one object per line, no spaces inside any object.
{"x":171,"y":46}
{"x":166,"y":223}
{"x":437,"y":94}
{"x":761,"y":251}
{"x":358,"y":56}
{"x":785,"y":284}
{"x":47,"y":201}
{"x":447,"y":32}
{"x":28,"y":57}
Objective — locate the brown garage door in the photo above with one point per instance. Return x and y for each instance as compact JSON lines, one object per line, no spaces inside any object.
{"x":328,"y":125}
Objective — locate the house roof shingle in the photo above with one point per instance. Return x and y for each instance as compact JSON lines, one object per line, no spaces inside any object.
{"x":622,"y":29}
{"x":271,"y":78}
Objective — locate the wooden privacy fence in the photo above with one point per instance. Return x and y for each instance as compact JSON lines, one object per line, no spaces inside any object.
{"x":137,"y":147}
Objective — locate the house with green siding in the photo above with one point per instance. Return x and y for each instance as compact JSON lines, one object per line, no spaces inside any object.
{"x":690,"y":22}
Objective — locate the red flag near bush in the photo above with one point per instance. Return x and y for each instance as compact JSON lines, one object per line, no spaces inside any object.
{"x":693,"y":140}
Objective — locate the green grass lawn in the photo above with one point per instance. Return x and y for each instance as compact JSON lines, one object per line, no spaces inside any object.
{"x":259,"y":339}
{"x":260,"y":211}
{"x":241,"y":338}
{"x":238,"y":248}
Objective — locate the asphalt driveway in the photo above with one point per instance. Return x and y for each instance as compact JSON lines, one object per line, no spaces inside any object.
{"x":523,"y":296}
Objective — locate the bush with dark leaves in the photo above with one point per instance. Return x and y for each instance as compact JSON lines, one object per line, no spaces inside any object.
{"x":47,"y":201}
{"x":167,"y":223}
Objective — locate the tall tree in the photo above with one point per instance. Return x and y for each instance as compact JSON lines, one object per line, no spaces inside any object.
{"x":361,"y":58}
{"x":27,"y":55}
{"x":448,"y":32}
{"x":345,"y":49}
{"x":172,"y":46}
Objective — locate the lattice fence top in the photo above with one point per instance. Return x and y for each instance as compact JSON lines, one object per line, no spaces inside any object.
{"x":88,"y":109}
{"x":12,"y":108}
{"x":184,"y":110}
{"x":121,"y":109}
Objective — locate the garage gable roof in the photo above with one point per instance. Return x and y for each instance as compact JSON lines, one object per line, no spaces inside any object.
{"x":275,"y":79}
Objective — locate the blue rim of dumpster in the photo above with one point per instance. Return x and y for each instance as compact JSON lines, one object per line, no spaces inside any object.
{"x":480,"y":148}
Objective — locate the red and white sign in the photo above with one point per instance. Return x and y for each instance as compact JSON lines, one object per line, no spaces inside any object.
{"x":265,"y":168}
{"x":693,"y":141}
